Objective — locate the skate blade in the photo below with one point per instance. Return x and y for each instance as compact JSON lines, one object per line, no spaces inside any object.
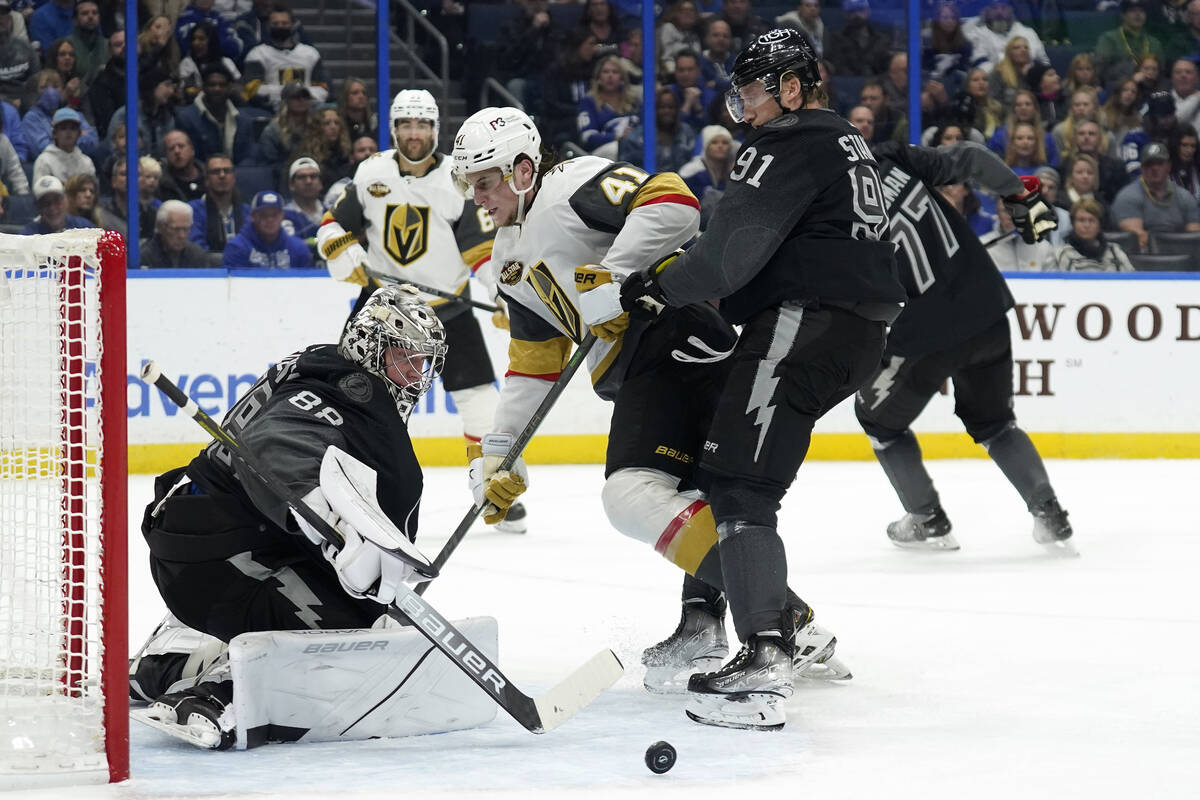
{"x":669,"y":680}
{"x":1064,"y":548}
{"x":831,"y":669}
{"x":751,"y":712}
{"x":947,"y":542}
{"x":198,"y":734}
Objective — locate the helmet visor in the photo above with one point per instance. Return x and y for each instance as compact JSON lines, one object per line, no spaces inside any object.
{"x":746,"y":98}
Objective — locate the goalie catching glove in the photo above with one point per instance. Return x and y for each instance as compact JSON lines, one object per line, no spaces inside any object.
{"x":1030,"y":213}
{"x":375,"y":557}
{"x":495,"y":489}
{"x":600,"y":302}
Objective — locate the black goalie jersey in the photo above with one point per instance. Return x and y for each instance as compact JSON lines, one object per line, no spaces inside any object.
{"x":303,"y":404}
{"x":954,"y":288}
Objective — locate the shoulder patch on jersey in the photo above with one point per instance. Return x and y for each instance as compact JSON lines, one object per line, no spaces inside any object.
{"x":357,"y":387}
{"x":379,"y":189}
{"x":785,"y":121}
{"x":511,"y":273}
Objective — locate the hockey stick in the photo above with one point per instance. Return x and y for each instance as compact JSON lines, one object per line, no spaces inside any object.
{"x":536,"y":714}
{"x":515,"y":450}
{"x":1000,"y":237}
{"x":379,"y":277}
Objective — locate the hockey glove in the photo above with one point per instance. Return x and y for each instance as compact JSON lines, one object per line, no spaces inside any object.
{"x":500,"y":315}
{"x":1032,"y":216}
{"x":344,"y":256}
{"x":600,"y":302}
{"x":364,"y":569}
{"x":645,"y":283}
{"x":493,"y":488}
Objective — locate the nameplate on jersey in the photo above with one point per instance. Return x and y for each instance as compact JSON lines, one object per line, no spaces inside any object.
{"x":405,"y":232}
{"x":556,"y":299}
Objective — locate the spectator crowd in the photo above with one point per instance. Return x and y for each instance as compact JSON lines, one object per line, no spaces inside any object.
{"x":224,"y":87}
{"x":221,"y":86}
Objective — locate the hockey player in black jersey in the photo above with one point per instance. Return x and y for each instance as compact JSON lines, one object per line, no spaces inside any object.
{"x":797,"y":253}
{"x":227,"y":554}
{"x":954,"y":325}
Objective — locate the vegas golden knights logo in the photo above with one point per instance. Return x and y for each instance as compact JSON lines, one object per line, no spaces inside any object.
{"x":559,"y":303}
{"x":406,"y":232}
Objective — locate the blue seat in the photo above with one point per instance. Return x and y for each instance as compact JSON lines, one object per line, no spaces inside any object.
{"x":254,"y":179}
{"x":484,"y":20}
{"x":19,"y":209}
{"x":846,"y":89}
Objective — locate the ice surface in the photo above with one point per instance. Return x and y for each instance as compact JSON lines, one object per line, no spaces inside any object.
{"x":996,"y":671}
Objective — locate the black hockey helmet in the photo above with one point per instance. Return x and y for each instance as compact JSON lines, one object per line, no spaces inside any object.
{"x":767,"y":59}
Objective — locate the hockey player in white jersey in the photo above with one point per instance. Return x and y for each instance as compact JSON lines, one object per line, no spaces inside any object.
{"x":402,"y":218}
{"x":567,"y":233}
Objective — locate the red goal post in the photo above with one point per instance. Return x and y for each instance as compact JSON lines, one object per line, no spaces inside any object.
{"x":63,"y":510}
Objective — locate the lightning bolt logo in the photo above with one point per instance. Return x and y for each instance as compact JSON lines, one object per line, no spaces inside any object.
{"x":291,"y":586}
{"x":763,"y":388}
{"x":882,"y":387}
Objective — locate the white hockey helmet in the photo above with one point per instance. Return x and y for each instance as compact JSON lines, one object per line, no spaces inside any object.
{"x":495,"y":137}
{"x":414,"y":104}
{"x":396,"y":317}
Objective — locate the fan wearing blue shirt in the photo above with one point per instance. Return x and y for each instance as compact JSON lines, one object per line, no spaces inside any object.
{"x":264,"y":244}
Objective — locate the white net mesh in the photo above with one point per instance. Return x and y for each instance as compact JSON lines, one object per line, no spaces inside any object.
{"x":51,"y":703}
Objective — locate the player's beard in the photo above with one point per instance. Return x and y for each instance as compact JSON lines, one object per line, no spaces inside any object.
{"x":416,"y":151}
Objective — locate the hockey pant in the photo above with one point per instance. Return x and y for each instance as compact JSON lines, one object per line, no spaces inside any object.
{"x":791,"y":366}
{"x":223,"y":569}
{"x":806,"y":374}
{"x":981,"y":370}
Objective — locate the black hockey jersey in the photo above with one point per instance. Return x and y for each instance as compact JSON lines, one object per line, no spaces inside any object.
{"x":303,"y":404}
{"x":954,"y":288}
{"x":802,"y":220}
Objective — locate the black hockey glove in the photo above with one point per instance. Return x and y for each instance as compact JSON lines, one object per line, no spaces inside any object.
{"x":645,"y":284}
{"x":1032,"y":216}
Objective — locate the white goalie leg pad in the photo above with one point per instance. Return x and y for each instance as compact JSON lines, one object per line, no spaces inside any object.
{"x":642,"y":503}
{"x":476,"y":408}
{"x":319,"y":686}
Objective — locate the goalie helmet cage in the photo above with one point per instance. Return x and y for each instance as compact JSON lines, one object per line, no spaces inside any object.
{"x":63,"y":589}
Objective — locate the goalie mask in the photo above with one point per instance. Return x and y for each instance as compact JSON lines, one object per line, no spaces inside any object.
{"x":496,"y":138}
{"x":413,"y":104}
{"x":397,"y":338}
{"x":760,"y":69}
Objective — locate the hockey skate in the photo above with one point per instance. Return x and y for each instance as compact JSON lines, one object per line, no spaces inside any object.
{"x":749,"y":691}
{"x":201,"y":716}
{"x":923,"y":532}
{"x":813,"y":648}
{"x":697,"y":645}
{"x":173,"y":658}
{"x":514,"y":521}
{"x":1051,"y":528}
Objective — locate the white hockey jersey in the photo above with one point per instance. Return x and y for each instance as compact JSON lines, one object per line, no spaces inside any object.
{"x":588,"y":210}
{"x":268,"y":69}
{"x":416,"y":229}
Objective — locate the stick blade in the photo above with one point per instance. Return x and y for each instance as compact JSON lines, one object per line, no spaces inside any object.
{"x":578,"y":690}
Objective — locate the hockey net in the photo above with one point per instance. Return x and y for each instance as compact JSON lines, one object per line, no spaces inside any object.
{"x":63,"y":606}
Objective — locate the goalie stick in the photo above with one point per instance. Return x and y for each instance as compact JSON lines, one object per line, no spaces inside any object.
{"x":515,"y":450}
{"x":380,"y":278}
{"x":536,"y":714}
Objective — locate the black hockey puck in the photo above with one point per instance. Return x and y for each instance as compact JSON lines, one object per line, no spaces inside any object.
{"x":660,"y":757}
